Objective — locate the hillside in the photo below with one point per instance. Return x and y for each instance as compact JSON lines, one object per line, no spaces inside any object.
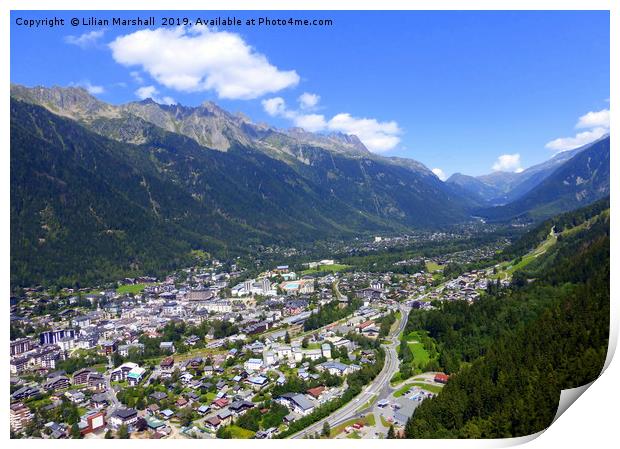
{"x":513,"y":351}
{"x":581,"y":180}
{"x":92,"y":201}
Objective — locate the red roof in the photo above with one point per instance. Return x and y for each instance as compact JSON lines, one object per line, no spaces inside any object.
{"x":222,"y":402}
{"x":316,"y":391}
{"x":441,"y":377}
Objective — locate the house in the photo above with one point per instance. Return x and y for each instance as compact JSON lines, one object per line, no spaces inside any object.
{"x":109,"y":347}
{"x":337,"y":368}
{"x":135,"y":376}
{"x":441,"y":378}
{"x":167,"y":346}
{"x":96,"y":382}
{"x":203,"y":409}
{"x":220,"y":403}
{"x":77,"y":397}
{"x":56,"y":431}
{"x":158,"y":396}
{"x":298,"y":403}
{"x":316,"y":392}
{"x":120,"y":374}
{"x":167,"y":364}
{"x":213,"y":422}
{"x":257,"y":382}
{"x":167,"y":413}
{"x":253,"y":365}
{"x":99,"y":400}
{"x":239,"y":407}
{"x":123,"y":416}
{"x":225,"y":417}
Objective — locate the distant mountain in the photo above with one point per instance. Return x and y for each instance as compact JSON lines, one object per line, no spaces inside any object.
{"x":99,"y":190}
{"x":499,"y":188}
{"x":480,"y":191}
{"x":577,"y":182}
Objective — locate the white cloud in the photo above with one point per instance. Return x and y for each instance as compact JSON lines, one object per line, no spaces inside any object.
{"x":595,"y":122}
{"x":509,"y":163}
{"x":90,"y":88}
{"x":311,"y":122}
{"x":308,"y":100}
{"x":85,"y":40}
{"x":598,"y":119}
{"x":439,"y":173}
{"x":581,"y":139}
{"x":275,"y":106}
{"x":198,"y":59}
{"x":376,"y":136}
{"x":151,"y":92}
{"x":135,"y":75}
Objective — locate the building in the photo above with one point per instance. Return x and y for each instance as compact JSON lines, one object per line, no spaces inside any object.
{"x":92,"y":422}
{"x":54,"y":336}
{"x":298,"y":403}
{"x":20,"y":416}
{"x":120,"y":374}
{"x":80,"y":377}
{"x":253,"y":365}
{"x":57,"y":383}
{"x":123,"y":416}
{"x":21,"y":345}
{"x":167,"y":346}
{"x":135,"y":376}
{"x":441,"y":378}
{"x":302,"y":286}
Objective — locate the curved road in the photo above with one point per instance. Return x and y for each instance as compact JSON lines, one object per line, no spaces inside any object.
{"x":381,"y":382}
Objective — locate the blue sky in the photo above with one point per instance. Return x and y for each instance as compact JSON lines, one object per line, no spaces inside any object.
{"x":458,"y":91}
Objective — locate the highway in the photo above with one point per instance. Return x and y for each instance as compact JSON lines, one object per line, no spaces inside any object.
{"x":380,"y":384}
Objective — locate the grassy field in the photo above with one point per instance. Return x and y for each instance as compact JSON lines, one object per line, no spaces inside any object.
{"x":368,"y":420}
{"x":240,"y":432}
{"x":420,"y":355}
{"x":433,"y":266}
{"x":405,"y":388}
{"x":132,"y":289}
{"x":326,"y":269}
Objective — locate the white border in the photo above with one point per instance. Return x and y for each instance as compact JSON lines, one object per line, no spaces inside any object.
{"x":591,"y":421}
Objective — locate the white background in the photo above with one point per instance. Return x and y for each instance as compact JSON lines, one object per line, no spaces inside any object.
{"x":592,"y":421}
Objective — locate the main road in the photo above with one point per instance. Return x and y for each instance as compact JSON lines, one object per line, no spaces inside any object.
{"x":371,"y":391}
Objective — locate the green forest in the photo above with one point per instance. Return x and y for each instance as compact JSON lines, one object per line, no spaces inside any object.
{"x":512,"y":352}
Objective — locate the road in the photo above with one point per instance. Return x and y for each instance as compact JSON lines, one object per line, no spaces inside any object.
{"x":377,"y":387}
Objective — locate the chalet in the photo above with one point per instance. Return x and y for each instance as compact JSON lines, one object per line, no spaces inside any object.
{"x":167,"y":363}
{"x":213,"y":422}
{"x":123,"y":416}
{"x":158,"y":396}
{"x":441,"y":378}
{"x":57,"y":383}
{"x":316,"y":392}
{"x":80,"y":377}
{"x":239,"y":407}
{"x":296,"y":402}
{"x":220,"y":403}
{"x":99,"y":400}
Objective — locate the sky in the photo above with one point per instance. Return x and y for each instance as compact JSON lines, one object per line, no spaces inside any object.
{"x":470,"y":92}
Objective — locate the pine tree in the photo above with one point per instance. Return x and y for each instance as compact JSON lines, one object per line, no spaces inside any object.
{"x":391,"y":434}
{"x":326,"y":429}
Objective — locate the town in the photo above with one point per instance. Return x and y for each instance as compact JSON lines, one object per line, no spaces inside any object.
{"x":210,"y":352}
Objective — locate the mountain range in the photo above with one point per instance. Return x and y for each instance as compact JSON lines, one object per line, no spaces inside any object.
{"x":99,"y":190}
